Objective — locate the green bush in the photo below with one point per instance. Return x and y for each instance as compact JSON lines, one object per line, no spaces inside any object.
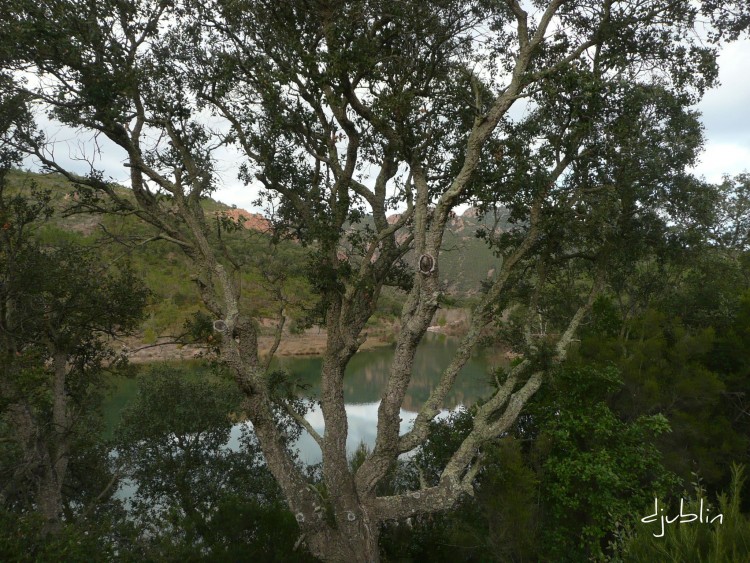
{"x":22,"y":539}
{"x":695,"y":542}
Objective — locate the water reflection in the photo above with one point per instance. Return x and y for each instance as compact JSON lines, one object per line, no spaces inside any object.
{"x":367,"y":373}
{"x":362,"y":420}
{"x":364,"y":383}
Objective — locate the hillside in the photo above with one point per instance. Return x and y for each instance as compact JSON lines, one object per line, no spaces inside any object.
{"x":466,"y":259}
{"x":166,"y":271}
{"x":163,"y":267}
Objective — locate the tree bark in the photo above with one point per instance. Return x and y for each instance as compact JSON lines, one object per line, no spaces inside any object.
{"x":358,"y":543}
{"x":56,"y":451}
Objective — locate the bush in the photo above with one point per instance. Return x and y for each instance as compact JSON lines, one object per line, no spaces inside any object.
{"x":694,"y":542}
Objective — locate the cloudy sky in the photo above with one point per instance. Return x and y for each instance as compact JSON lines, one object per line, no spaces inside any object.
{"x":726,"y":117}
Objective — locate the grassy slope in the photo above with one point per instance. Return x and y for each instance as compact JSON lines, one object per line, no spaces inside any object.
{"x":164,"y":268}
{"x":167,"y":272}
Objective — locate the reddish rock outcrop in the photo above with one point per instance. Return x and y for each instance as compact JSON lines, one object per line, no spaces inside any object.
{"x":253,"y":221}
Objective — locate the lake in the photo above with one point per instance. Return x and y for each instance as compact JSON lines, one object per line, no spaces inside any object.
{"x":363,"y":385}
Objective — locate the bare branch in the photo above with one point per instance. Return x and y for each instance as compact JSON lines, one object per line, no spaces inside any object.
{"x":302,"y":421}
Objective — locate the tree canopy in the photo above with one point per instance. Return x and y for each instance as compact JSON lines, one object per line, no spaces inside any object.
{"x":575,"y":116}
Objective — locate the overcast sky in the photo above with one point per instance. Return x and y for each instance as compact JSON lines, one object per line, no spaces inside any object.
{"x":726,"y":117}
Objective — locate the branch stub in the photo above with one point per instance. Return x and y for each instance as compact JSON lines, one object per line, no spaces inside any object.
{"x":427,"y":264}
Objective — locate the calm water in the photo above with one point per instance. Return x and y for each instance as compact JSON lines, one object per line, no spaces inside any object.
{"x":363,"y":384}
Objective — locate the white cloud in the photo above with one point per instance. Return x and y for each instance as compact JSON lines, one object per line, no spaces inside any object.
{"x":723,"y":158}
{"x":726,"y":117}
{"x":77,"y":150}
{"x":362,"y":420}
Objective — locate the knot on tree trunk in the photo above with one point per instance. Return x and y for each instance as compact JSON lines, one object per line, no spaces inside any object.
{"x":427,"y":264}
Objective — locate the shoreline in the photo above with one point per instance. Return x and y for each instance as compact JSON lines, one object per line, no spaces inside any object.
{"x":297,"y":345}
{"x":452,"y":323}
{"x":310,"y":343}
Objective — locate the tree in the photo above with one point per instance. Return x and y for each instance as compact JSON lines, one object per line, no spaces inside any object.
{"x":55,"y":315}
{"x":57,"y":303}
{"x":674,"y":327}
{"x":193,"y":493}
{"x":730,"y":225}
{"x":560,"y":487}
{"x":597,"y":470}
{"x":345,"y":108}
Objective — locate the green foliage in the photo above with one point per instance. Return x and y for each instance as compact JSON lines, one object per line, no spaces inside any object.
{"x":727,"y":541}
{"x":195,"y":496}
{"x":587,"y":174}
{"x":501,"y":522}
{"x":596,"y":470}
{"x":731,"y":350}
{"x":508,"y":496}
{"x":555,"y":491}
{"x":200,"y":328}
{"x":676,"y":370}
{"x":22,"y":540}
{"x":272,"y":275}
{"x":58,"y":306}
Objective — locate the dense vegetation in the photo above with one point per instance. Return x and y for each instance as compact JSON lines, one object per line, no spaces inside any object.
{"x":174,"y":299}
{"x":652,"y":403}
{"x":619,"y":281}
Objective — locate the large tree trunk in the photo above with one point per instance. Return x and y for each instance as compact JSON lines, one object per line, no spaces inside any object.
{"x":356,"y":543}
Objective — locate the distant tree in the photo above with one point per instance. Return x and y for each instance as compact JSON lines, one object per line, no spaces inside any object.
{"x":730,"y":223}
{"x":691,"y":371}
{"x":345,"y":108}
{"x":57,"y":306}
{"x":675,"y":325}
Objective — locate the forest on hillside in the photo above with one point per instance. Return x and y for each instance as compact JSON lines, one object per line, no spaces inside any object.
{"x":441,"y":187}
